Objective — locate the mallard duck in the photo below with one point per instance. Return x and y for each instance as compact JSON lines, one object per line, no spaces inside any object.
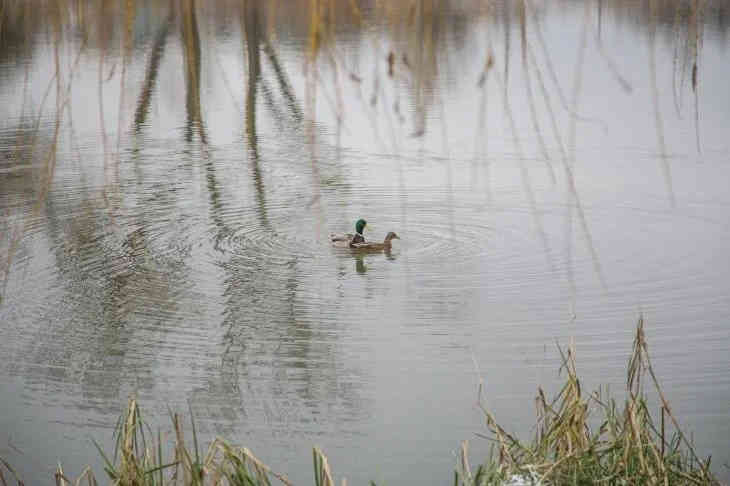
{"x":385,"y":245}
{"x":348,"y":239}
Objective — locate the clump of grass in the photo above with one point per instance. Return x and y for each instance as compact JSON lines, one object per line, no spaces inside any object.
{"x":138,"y":459}
{"x":628,"y":447}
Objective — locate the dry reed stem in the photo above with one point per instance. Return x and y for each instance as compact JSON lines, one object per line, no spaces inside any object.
{"x":564,"y":444}
{"x":11,"y":470}
{"x":257,"y":462}
{"x":322,"y":472}
{"x":464,"y":459}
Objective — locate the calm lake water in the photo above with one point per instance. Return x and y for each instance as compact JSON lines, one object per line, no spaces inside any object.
{"x":169,"y":175}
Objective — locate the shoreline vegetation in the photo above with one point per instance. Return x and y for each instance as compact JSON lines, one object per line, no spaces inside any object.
{"x":579,"y":439}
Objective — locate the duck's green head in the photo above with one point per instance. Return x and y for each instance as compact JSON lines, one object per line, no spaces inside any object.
{"x":360,"y":225}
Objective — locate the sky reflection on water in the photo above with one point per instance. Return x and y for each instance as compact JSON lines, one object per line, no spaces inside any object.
{"x":169,"y":176}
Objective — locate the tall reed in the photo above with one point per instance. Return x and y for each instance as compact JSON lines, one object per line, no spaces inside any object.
{"x":630,"y":444}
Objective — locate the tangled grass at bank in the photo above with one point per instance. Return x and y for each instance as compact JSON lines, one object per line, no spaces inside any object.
{"x":631,"y":445}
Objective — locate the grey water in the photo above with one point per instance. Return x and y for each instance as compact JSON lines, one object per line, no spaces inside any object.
{"x":170,"y":172}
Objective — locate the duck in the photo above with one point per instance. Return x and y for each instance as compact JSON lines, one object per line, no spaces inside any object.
{"x":372,"y":246}
{"x":348,"y":239}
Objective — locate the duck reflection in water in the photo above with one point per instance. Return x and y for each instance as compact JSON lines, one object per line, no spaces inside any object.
{"x":360,"y":266}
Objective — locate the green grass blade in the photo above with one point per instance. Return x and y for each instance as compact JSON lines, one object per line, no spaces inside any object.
{"x":109,"y":467}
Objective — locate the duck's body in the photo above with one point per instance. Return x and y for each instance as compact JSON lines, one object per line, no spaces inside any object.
{"x":341,"y":241}
{"x":348,"y":239}
{"x":371,"y":246}
{"x":334,"y":238}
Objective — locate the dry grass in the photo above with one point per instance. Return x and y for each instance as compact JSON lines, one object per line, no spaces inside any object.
{"x":627,"y":447}
{"x":138,"y":459}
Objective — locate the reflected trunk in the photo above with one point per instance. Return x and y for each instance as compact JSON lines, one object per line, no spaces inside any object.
{"x":153,"y":66}
{"x":191,"y":51}
{"x":253,"y":28}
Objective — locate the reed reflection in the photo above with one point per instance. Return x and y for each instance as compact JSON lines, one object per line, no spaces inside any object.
{"x":151,"y":73}
{"x":186,"y":255}
{"x":252,"y":26}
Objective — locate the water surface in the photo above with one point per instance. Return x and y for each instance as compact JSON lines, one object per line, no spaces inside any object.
{"x":169,"y":175}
